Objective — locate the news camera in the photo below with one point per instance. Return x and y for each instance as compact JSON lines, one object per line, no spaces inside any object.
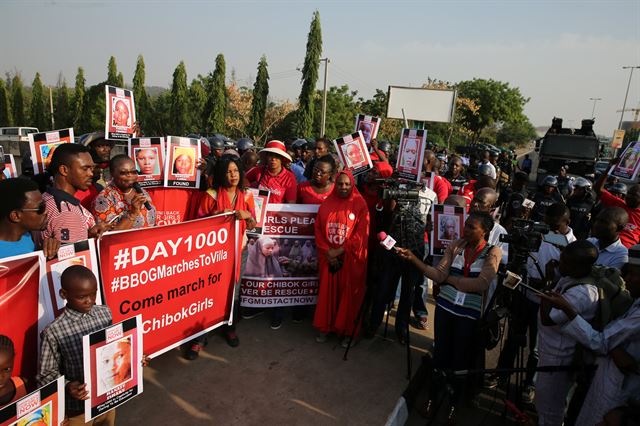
{"x":525,"y":236}
{"x":393,"y":189}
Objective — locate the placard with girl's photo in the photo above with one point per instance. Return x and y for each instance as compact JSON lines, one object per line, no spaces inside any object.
{"x":112,"y":366}
{"x":43,"y":407}
{"x":42,"y":146}
{"x":413,"y":143}
{"x":448,"y":225}
{"x":120,"y":113}
{"x":368,"y":125}
{"x":353,"y":153}
{"x":181,"y":167}
{"x":148,"y":155}
{"x":261,"y":201}
{"x":629,"y":164}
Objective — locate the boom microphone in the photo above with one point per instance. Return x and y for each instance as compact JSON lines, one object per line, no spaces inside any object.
{"x":147,"y":204}
{"x":387,"y":241}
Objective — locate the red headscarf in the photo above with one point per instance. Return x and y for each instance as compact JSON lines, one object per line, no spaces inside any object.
{"x":354,"y":191}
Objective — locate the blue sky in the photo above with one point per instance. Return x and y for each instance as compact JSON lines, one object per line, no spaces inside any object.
{"x":560,"y":53}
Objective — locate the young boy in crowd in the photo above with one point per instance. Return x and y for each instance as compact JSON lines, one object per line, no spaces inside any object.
{"x":616,"y":380}
{"x":554,"y":347}
{"x":62,"y":342}
{"x":12,"y":388}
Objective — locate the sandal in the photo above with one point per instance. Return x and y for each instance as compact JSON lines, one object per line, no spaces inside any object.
{"x":193,"y":352}
{"x":422,"y":322}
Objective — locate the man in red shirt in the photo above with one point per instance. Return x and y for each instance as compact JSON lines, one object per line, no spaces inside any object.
{"x":271,"y":174}
{"x":630,"y":235}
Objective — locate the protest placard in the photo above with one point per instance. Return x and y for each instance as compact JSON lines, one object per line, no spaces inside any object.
{"x":180,"y":278}
{"x":24,"y":303}
{"x":282,"y":263}
{"x":112,"y":360}
{"x":181,"y":167}
{"x":10,"y":166}
{"x":261,"y":201}
{"x":413,"y":143}
{"x":148,"y":155}
{"x":629,"y":164}
{"x":81,"y":253}
{"x":448,"y":224}
{"x":42,"y":145}
{"x":368,"y":125}
{"x":120,"y":113}
{"x":43,"y":407}
{"x":353,"y":153}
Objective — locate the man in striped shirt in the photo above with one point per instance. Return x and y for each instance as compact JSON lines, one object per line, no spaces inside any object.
{"x":67,"y":220}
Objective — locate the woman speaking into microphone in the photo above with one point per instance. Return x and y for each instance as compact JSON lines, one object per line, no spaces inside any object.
{"x":461,"y":280}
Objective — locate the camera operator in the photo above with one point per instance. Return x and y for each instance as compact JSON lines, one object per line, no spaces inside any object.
{"x":407,"y":210}
{"x":525,"y":304}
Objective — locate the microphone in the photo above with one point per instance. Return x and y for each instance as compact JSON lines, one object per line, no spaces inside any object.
{"x":147,"y":204}
{"x":387,"y":241}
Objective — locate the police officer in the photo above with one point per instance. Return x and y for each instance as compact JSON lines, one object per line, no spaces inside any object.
{"x":545,"y":197}
{"x":243,"y":145}
{"x":565,"y":183}
{"x":580,"y":205}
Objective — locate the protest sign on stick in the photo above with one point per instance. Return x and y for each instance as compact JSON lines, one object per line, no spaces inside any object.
{"x":282,"y":263}
{"x":180,"y":278}
{"x":148,"y":154}
{"x":353,"y":153}
{"x":120,"y":113}
{"x":43,"y":407}
{"x":261,"y":201}
{"x":42,"y":145}
{"x":112,"y":366}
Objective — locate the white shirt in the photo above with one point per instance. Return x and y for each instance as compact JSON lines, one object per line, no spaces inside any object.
{"x":614,"y":256}
{"x":554,"y":346}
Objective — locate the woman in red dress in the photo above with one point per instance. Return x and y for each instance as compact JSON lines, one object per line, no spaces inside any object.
{"x":316,"y":190}
{"x":342,"y":232}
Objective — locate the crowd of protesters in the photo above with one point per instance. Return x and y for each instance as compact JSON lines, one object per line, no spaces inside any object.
{"x":88,"y":191}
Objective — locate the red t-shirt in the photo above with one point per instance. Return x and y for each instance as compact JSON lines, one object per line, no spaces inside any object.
{"x":283,"y":186}
{"x":442,"y":188}
{"x":468,"y":191}
{"x":630,"y":235}
{"x":306,"y":194}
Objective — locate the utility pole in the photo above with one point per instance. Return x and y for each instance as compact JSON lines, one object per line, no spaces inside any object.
{"x":53,"y":121}
{"x":324,"y":96}
{"x":593,"y":111}
{"x":624,"y":104}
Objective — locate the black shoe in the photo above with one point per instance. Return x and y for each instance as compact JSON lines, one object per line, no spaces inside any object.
{"x":193,"y":352}
{"x":276,"y":323}
{"x":232,"y":338}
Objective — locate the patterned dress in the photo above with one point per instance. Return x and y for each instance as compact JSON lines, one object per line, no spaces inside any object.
{"x":111,"y":202}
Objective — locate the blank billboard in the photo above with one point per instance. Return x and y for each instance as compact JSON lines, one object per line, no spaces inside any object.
{"x":436,"y":105}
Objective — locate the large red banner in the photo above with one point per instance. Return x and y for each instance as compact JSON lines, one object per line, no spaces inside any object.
{"x":19,"y":306}
{"x":180,"y":278}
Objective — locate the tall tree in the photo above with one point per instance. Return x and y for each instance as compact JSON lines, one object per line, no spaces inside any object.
{"x":497,"y":103}
{"x":140,"y":94}
{"x":304,"y":120}
{"x":112,"y":72}
{"x":17,"y":103}
{"x":5,"y":106}
{"x":78,"y":102}
{"x":259,"y":103}
{"x":38,"y":111}
{"x":179,"y":112}
{"x":120,"y":82}
{"x":197,"y":102}
{"x":62,"y":107}
{"x":217,"y":101}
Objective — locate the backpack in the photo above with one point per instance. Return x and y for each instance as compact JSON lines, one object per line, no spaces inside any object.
{"x":613,"y":297}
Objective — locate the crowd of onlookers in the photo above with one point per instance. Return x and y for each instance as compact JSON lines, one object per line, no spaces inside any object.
{"x":88,"y":191}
